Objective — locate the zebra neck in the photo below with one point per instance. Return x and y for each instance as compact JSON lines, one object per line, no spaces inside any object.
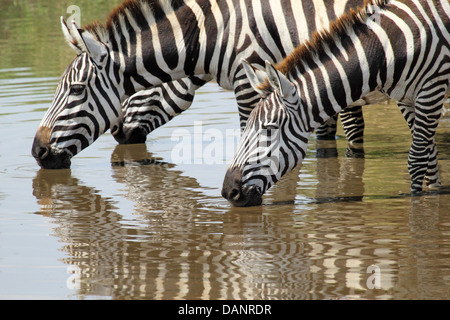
{"x":151,"y":50}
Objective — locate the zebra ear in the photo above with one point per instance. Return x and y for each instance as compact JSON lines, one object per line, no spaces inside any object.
{"x":279,"y":82}
{"x":71,"y":39}
{"x":85,"y":41}
{"x":95,"y":48}
{"x":255,"y":76}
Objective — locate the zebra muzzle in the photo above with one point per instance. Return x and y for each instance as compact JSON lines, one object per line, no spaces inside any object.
{"x":45,"y":156}
{"x":237,"y":194}
{"x":127,"y":135}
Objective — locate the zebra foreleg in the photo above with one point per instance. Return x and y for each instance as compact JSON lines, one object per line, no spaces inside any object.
{"x":422,"y":157}
{"x":327,"y":131}
{"x":353,"y":124}
{"x":418,"y":162}
{"x":423,"y":165}
{"x":352,"y":121}
{"x":432,"y":178}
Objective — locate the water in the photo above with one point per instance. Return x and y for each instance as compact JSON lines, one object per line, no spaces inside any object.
{"x":128,"y":222}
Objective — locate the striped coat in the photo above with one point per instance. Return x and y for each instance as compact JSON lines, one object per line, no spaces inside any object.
{"x":401,"y":48}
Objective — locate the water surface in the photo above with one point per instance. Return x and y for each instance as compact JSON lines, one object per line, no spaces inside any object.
{"x":129,"y":222}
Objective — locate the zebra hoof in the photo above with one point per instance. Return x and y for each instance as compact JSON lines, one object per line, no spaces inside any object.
{"x":416,"y":192}
{"x":356,"y":153}
{"x":324,"y":153}
{"x":326,"y":149}
{"x":326,"y":137}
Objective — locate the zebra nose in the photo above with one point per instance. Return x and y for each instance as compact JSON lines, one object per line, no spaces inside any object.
{"x":125,"y":135}
{"x":46,"y":157}
{"x":238,"y":195}
{"x":40,"y":150}
{"x":231,"y":189}
{"x":233,"y":195}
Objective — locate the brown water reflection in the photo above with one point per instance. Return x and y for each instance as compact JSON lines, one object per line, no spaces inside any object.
{"x":183,"y":245}
{"x":132,"y":225}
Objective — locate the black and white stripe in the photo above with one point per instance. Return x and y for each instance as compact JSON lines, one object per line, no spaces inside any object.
{"x":149,"y":109}
{"x":401,"y":48}
{"x":146,"y":43}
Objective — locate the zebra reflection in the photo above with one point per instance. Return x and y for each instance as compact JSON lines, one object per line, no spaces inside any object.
{"x":175,"y":246}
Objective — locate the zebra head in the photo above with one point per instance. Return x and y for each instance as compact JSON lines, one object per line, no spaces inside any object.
{"x":151,"y":108}
{"x":273,"y":142}
{"x":141,"y":114}
{"x":84,"y":105}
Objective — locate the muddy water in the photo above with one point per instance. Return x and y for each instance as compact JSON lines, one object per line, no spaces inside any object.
{"x":133,"y":222}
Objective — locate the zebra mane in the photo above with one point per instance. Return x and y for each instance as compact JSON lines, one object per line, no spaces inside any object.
{"x":137,"y":9}
{"x":319,"y":40}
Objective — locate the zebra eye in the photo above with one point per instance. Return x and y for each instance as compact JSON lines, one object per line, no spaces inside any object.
{"x":77,"y":89}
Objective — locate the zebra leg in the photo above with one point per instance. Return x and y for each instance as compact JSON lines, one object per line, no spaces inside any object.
{"x":418,"y":162}
{"x":327,"y":131}
{"x":408,"y":113}
{"x":326,"y":149}
{"x":326,"y":139}
{"x":422,"y":157}
{"x":432,"y":178}
{"x":353,"y":124}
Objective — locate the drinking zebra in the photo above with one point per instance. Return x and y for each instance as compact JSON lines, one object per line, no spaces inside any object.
{"x":399,"y":47}
{"x":146,"y":43}
{"x":149,"y":109}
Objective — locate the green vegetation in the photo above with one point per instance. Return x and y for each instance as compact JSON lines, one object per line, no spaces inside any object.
{"x":31,"y":36}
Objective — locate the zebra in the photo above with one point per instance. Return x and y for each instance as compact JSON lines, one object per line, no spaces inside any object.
{"x":400,"y":47}
{"x":149,"y":109}
{"x":146,"y":43}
